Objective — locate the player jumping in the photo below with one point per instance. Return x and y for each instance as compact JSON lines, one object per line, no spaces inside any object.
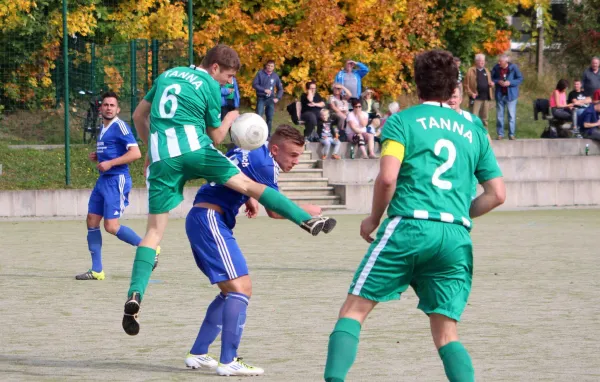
{"x":209,"y":228}
{"x":179,"y":119}
{"x":429,"y":156}
{"x":115,"y":149}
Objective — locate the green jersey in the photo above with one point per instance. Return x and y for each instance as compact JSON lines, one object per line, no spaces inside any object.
{"x":185,"y":101}
{"x":442,"y":152}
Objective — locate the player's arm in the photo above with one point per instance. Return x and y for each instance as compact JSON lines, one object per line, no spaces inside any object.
{"x":494,"y":194}
{"x":133,"y":153}
{"x":218,"y":134}
{"x":141,"y":120}
{"x":392,"y":155}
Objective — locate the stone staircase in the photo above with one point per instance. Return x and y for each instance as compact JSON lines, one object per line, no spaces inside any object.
{"x":305,"y":184}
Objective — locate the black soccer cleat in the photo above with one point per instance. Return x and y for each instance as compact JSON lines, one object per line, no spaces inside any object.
{"x":318,"y":224}
{"x":131,"y":324}
{"x":329,"y":225}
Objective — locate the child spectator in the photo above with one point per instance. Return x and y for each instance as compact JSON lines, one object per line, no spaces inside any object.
{"x":329,"y":135}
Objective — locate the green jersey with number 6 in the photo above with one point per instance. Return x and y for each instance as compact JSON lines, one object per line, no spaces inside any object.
{"x":185,"y":101}
{"x":442,"y":152}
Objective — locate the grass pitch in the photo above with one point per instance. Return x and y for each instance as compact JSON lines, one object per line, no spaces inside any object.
{"x":533,"y":313}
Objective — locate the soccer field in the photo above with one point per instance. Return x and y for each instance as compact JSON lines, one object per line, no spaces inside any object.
{"x":533,"y":313}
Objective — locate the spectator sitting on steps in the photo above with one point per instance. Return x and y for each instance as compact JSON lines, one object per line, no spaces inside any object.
{"x":589,"y":122}
{"x":356,"y":129}
{"x":559,"y":107}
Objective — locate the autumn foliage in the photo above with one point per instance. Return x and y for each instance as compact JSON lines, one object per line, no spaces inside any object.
{"x":308,"y":39}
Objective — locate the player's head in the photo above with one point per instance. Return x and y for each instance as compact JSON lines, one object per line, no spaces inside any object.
{"x":286,"y":145}
{"x":221,"y":62}
{"x":110,"y":105}
{"x":456,"y":99}
{"x":324,"y":114}
{"x":270,"y":66}
{"x":562,"y":85}
{"x":577,"y":85}
{"x":435,"y":75}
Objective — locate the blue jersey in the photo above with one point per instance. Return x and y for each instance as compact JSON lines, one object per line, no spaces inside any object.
{"x":113,"y":142}
{"x":258,"y":165}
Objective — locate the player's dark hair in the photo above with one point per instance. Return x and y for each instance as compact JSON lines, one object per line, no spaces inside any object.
{"x":354,"y":101}
{"x":223,"y":55}
{"x":435,"y":75}
{"x":562,"y":85}
{"x":110,"y":94}
{"x":287,"y":133}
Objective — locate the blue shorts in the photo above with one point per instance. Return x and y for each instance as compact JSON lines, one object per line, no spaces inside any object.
{"x":110,"y":196}
{"x":216,"y":252}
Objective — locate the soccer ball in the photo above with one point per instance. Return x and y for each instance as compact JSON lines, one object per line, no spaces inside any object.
{"x":249,"y":131}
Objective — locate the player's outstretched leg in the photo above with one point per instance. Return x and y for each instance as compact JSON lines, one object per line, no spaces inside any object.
{"x":457,"y":361}
{"x":198,"y":357}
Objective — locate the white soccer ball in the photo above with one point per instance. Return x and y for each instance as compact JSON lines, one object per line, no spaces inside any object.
{"x":249,"y":131}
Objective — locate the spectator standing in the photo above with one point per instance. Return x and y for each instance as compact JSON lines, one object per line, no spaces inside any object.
{"x":338,"y":103}
{"x":266,"y":82}
{"x":479,"y":87}
{"x":591,"y":78}
{"x":507,"y":78}
{"x":230,"y":97}
{"x":351,"y":77}
{"x":312,"y":103}
{"x":589,"y":122}
{"x":558,"y":102}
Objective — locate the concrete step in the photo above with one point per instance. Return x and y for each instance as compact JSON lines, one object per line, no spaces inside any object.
{"x":291,"y":192}
{"x":302,"y":173}
{"x":551,"y":193}
{"x":550,"y":168}
{"x":303,"y":182}
{"x":306,"y":155}
{"x":306,"y":163}
{"x":333,"y":207}
{"x":318,"y":200}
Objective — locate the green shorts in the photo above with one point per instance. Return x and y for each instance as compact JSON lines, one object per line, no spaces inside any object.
{"x":435,"y":258}
{"x":166,"y":178}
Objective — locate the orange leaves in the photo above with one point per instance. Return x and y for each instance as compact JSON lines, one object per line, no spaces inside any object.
{"x":499,"y":44}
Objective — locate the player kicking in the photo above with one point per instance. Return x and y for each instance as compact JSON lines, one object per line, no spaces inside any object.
{"x":209,"y":228}
{"x":115,"y":149}
{"x":180,"y":119}
{"x":429,"y":156}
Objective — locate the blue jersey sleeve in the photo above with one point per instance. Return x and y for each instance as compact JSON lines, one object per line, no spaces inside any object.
{"x":259,"y":166}
{"x":126,"y":137}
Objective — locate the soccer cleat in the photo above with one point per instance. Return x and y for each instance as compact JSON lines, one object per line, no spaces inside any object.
{"x":201,"y":361}
{"x":131,"y":325}
{"x":90,"y":275}
{"x":318,"y":224}
{"x":239,"y":368}
{"x":156,"y":258}
{"x":329,"y":225}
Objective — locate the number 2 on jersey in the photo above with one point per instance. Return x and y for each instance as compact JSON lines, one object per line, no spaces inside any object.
{"x":166,"y":97}
{"x":439,"y":145}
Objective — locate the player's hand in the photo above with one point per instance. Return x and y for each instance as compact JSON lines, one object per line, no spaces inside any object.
{"x":251,"y":208}
{"x":312,"y":210}
{"x":93,"y":156}
{"x":367,"y":227}
{"x":104,"y":166}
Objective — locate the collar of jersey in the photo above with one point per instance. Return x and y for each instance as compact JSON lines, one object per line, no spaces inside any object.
{"x":432,"y":103}
{"x":116,"y":118}
{"x":198,"y":68}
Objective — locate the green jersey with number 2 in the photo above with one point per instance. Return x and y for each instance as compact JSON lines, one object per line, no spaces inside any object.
{"x":442,"y":151}
{"x":185,"y":101}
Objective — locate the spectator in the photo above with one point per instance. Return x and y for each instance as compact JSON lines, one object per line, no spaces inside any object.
{"x":230,"y":97}
{"x":338,"y":103}
{"x":265,"y":82}
{"x":369,"y":104}
{"x":479,"y":86}
{"x":507,"y":77}
{"x":312,"y":103}
{"x":579,"y":100}
{"x":589,"y":122}
{"x":356,"y":129}
{"x":460,"y":76}
{"x":591,"y":78}
{"x":352,"y":78}
{"x":558,"y":102}
{"x":329,"y":135}
{"x":393,"y":108}
{"x":596,"y":96}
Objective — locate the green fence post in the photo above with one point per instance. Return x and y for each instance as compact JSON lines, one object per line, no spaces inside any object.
{"x":133,"y":48}
{"x":190,"y":32}
{"x":93,"y":68}
{"x":66,"y":84}
{"x":154,"y":60}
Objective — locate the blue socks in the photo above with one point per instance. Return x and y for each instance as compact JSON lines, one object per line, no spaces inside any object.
{"x":211,"y":326}
{"x":127,"y":235}
{"x":234,"y":318}
{"x":94,"y":238}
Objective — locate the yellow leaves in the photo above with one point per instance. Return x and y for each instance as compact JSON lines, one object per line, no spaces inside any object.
{"x":13,"y":14}
{"x":470,"y":15}
{"x":113,"y":78}
{"x":159,"y":19}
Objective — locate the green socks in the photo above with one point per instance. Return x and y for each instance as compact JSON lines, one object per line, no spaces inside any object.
{"x":457,"y":362}
{"x":142,"y":269}
{"x":277,"y":202}
{"x":341,"y":353}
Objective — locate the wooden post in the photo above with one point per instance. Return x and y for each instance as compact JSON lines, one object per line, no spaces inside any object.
{"x":540,"y":42}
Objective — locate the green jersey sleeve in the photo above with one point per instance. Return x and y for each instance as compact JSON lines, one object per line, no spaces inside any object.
{"x":213,"y":116}
{"x":487,"y":168}
{"x":394,"y":129}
